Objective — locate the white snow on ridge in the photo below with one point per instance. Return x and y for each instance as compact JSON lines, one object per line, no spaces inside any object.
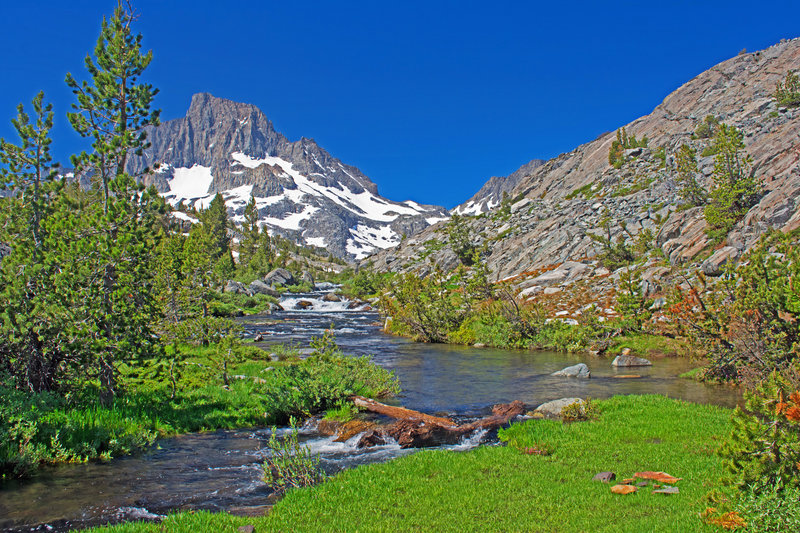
{"x":180,"y":215}
{"x":366,"y":203}
{"x":292,"y":220}
{"x":319,"y":242}
{"x":366,"y":239}
{"x":190,"y":182}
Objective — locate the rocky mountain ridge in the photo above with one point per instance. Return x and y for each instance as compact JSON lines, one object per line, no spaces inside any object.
{"x":558,"y":204}
{"x":301,"y":191}
{"x":491,"y":194}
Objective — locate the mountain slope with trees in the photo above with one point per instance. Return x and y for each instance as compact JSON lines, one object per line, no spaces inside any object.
{"x":557,"y":209}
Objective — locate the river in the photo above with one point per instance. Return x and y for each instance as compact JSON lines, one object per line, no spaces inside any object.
{"x":221,"y":470}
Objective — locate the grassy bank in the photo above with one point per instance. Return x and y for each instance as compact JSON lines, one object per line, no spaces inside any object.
{"x":503,"y":489}
{"x":45,"y":428}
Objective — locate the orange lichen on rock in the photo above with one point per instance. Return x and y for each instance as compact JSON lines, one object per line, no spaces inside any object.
{"x":623,"y":489}
{"x":661,"y":477}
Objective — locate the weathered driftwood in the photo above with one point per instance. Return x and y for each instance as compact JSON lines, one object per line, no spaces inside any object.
{"x":400,"y":413}
{"x":418,"y":430}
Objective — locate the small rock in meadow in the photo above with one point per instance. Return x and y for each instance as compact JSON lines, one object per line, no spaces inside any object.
{"x":249,"y":528}
{"x":623,"y":489}
{"x":605,"y":477}
{"x":667,"y":490}
{"x":553,"y":408}
{"x":642,"y":484}
{"x":629,"y":360}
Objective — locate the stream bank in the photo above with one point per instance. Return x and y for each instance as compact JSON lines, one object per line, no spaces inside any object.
{"x":221,"y":470}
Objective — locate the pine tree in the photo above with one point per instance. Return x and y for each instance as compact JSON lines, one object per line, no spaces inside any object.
{"x":108,"y":257}
{"x":114,"y":108}
{"x":690,"y":191}
{"x":215,"y":220}
{"x":736,"y":188}
{"x":28,"y":169}
{"x":29,"y":312}
{"x":250,"y":235}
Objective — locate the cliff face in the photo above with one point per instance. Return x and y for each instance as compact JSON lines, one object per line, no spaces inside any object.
{"x":301,"y":191}
{"x":563,"y":200}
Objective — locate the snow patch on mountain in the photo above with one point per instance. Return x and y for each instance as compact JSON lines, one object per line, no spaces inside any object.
{"x":190,"y":182}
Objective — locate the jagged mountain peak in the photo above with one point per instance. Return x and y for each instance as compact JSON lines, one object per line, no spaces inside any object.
{"x":301,"y":190}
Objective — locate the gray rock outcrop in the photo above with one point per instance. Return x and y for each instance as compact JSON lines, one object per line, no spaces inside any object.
{"x":569,"y":195}
{"x":280,"y":277}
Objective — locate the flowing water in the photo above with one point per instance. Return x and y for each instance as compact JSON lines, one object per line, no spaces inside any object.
{"x":221,"y":470}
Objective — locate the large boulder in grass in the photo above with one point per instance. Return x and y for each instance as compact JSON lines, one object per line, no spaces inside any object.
{"x":280,"y":277}
{"x":575,"y":371}
{"x":234,"y":287}
{"x":259,"y":287}
{"x":552,"y":409}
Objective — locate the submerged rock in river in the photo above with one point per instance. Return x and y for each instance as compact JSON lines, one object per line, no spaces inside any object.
{"x":629,"y":360}
{"x":575,"y":371}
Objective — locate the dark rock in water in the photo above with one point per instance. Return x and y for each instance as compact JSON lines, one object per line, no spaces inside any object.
{"x":303,"y":304}
{"x":331,"y":297}
{"x":629,"y":360}
{"x":605,"y":477}
{"x":575,"y":371}
{"x":355,"y":304}
{"x":279,"y":277}
{"x":258,"y":338}
{"x":372,"y":438}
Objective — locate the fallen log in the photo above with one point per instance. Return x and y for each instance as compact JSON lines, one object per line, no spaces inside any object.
{"x":418,"y":430}
{"x":400,"y":413}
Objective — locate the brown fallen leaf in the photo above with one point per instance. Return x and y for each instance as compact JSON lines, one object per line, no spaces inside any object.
{"x":661,"y":477}
{"x":628,"y":480}
{"x":623,"y":489}
{"x":628,"y":376}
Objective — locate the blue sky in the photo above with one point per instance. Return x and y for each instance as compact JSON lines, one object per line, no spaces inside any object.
{"x":429,"y":99}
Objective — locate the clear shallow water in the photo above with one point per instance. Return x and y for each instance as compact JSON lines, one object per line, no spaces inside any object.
{"x":222,"y":470}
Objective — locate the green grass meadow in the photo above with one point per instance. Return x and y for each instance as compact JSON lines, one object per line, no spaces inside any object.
{"x":500,"y":488}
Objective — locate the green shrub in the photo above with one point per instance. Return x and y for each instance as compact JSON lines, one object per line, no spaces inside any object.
{"x":707,"y":127}
{"x":580,"y":411}
{"x":787,"y":92}
{"x":616,"y":154}
{"x":770,"y":507}
{"x":764,"y":446}
{"x":290,"y":465}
